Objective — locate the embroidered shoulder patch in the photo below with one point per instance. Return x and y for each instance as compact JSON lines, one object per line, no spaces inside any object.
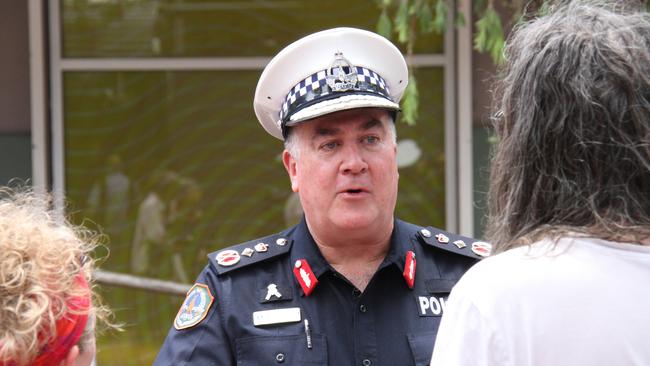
{"x":195,"y":307}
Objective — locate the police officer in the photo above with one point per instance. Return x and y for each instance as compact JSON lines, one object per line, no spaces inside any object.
{"x":350,"y":284}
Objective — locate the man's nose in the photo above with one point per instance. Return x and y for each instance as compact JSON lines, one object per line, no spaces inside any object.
{"x":353,"y":161}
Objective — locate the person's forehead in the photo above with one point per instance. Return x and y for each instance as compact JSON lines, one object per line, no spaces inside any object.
{"x":355,"y":118}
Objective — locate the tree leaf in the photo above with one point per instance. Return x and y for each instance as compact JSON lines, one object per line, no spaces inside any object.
{"x":425,"y":18}
{"x":402,"y":22}
{"x":544,"y":9}
{"x":410,"y":102}
{"x":489,"y":35}
{"x":479,"y":6}
{"x":384,"y":26}
{"x":413,"y":8}
{"x":440,"y":21}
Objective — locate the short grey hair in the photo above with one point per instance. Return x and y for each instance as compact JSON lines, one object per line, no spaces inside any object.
{"x":292,"y":145}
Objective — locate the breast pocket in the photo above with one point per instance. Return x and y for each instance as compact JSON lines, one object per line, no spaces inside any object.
{"x":422,"y":347}
{"x":281,"y":350}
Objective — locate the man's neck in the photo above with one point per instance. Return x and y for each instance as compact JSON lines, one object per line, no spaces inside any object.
{"x":355,"y":257}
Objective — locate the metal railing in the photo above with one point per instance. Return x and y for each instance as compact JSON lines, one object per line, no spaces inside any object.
{"x":141,"y":283}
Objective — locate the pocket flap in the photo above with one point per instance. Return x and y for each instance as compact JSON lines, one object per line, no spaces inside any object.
{"x":422,"y":347}
{"x":284,"y":350}
{"x":440,"y":286}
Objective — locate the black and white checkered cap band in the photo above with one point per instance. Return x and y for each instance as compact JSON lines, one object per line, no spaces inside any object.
{"x":315,"y":87}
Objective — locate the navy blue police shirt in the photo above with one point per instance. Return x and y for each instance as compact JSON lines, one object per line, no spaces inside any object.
{"x":276,"y":300}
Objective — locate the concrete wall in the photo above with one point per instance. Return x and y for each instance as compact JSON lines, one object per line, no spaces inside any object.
{"x":15,"y":130}
{"x":14,"y":67}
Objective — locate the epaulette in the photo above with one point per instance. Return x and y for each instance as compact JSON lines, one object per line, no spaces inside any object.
{"x":254,"y":251}
{"x":455,"y":243}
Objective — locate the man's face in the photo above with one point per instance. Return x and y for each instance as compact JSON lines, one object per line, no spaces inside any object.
{"x":346,"y":172}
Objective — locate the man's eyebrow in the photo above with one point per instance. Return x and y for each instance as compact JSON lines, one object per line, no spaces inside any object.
{"x":326,"y":131}
{"x":371,"y":124}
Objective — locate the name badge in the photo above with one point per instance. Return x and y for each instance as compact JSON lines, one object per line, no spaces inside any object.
{"x":276,"y":316}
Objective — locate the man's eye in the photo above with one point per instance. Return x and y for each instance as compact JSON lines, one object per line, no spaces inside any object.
{"x":371,"y":139}
{"x":329,"y":145}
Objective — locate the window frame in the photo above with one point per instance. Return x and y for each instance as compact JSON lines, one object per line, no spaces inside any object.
{"x":48,"y":152}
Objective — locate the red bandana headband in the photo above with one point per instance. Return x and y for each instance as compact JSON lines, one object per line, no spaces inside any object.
{"x":69,"y":329}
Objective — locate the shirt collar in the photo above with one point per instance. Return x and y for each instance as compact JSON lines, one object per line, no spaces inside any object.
{"x":304,"y":247}
{"x":401,"y":241}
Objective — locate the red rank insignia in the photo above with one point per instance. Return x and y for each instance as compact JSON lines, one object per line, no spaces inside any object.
{"x":305,"y":276}
{"x":409,"y":269}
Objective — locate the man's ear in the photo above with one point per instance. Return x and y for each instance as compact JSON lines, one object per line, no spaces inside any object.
{"x":72,"y":356}
{"x":290,"y":164}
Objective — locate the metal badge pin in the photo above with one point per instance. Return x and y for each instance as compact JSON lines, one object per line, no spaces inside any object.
{"x":426,"y":233}
{"x":442,"y":238}
{"x":281,"y":242}
{"x":261,"y":247}
{"x":272,"y":290}
{"x":248,"y":252}
{"x":460,"y":244}
{"x":227,"y":258}
{"x":482,"y":249}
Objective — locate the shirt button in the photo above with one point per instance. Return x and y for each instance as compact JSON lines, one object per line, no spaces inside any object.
{"x":363,"y":309}
{"x":279,"y":357}
{"x":366,"y":362}
{"x":356,"y":292}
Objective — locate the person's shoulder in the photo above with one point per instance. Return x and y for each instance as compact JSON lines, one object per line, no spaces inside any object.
{"x":250,"y":253}
{"x":447,"y":242}
{"x":515,"y":271}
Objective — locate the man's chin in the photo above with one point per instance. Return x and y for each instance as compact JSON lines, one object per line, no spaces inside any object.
{"x":355,"y":221}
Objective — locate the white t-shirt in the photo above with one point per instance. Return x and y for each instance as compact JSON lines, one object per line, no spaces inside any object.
{"x":583,"y":302}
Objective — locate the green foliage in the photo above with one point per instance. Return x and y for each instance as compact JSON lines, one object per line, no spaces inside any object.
{"x":402,"y":22}
{"x":478,"y":6}
{"x":384,"y":25}
{"x":410,"y":102}
{"x":489,"y":35}
{"x":440,"y":21}
{"x":406,"y":20}
{"x":544,"y":9}
{"x":413,"y":18}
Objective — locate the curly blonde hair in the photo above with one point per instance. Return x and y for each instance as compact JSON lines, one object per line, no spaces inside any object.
{"x":41,"y":254}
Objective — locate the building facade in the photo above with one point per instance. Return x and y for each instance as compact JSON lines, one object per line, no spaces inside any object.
{"x":140,"y":114}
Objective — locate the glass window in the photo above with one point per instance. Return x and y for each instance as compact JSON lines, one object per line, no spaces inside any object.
{"x":16,"y":167}
{"x":201,"y":28}
{"x":481,"y":148}
{"x":174,"y":165}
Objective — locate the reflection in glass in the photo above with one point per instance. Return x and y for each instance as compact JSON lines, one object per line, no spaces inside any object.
{"x":173,"y":166}
{"x":200,"y":28}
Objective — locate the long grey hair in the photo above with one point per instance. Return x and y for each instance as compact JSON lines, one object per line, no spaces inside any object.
{"x":573,"y":125}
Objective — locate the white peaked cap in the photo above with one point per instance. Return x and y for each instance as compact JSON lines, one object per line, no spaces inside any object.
{"x":294,"y":86}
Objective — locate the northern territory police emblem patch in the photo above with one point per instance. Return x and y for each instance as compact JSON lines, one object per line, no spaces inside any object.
{"x":195,"y":307}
